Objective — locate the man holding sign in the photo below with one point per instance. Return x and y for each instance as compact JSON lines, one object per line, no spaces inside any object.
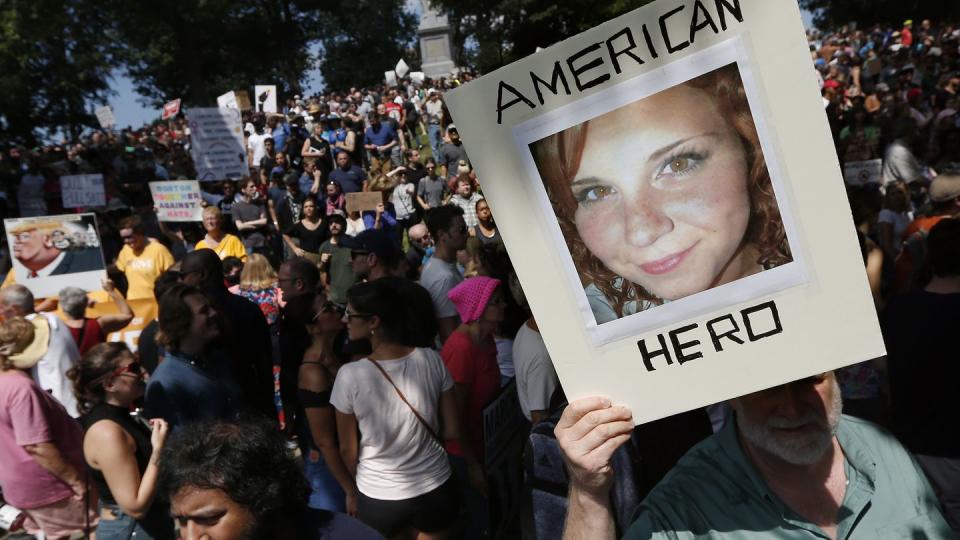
{"x":786,"y":465}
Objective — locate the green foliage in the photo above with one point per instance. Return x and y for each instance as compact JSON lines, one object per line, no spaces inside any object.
{"x":363,"y":39}
{"x":833,"y":13}
{"x":492,"y":33}
{"x":55,"y":57}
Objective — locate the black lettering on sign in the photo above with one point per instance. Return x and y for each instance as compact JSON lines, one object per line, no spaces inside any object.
{"x":501,"y":106}
{"x":666,"y":35}
{"x":577,"y":71}
{"x":730,"y":334}
{"x":696,"y":25}
{"x":679,"y":347}
{"x":733,"y":8}
{"x":774,"y":317}
{"x":650,"y":47}
{"x":555,"y":79}
{"x":649,"y":355}
{"x":631,"y":44}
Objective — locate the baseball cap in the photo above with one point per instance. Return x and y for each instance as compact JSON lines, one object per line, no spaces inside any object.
{"x":945,"y":187}
{"x":373,"y":241}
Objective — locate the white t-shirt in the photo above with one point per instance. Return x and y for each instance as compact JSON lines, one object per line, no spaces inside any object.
{"x":62,"y":355}
{"x":399,"y":458}
{"x":438,"y":278}
{"x":536,"y":378}
{"x":899,"y":220}
{"x":255,"y":144}
{"x":402,"y":199}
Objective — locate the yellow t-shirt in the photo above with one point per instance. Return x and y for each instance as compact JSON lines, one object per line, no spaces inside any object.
{"x":230,"y":246}
{"x":143,"y":270}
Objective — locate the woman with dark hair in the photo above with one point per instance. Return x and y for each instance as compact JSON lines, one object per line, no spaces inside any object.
{"x":392,"y":402}
{"x":121,"y":450}
{"x":311,"y":231}
{"x":336,"y":200}
{"x":665,"y":197}
{"x":331,"y":485}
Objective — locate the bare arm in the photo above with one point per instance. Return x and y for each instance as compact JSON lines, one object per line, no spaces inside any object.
{"x":323,"y":429}
{"x":293,"y":247}
{"x":450,"y":416}
{"x":347,"y":435}
{"x":49,"y":457}
{"x":112,"y":323}
{"x":109,"y":447}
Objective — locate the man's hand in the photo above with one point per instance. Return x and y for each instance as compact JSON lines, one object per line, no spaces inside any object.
{"x":589,"y":431}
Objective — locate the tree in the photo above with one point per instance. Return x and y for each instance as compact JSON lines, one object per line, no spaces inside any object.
{"x":363,"y":41}
{"x":491,"y":33}
{"x":833,"y":13}
{"x":56,"y":58}
{"x":199,"y":49}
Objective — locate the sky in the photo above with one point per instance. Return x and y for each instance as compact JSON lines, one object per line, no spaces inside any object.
{"x":128,"y":111}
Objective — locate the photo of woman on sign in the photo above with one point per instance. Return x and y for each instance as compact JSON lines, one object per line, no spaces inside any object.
{"x":665,"y":197}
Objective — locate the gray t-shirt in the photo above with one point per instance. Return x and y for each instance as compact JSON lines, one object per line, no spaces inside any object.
{"x":431,"y":190}
{"x":244,"y":211}
{"x":438,"y":277}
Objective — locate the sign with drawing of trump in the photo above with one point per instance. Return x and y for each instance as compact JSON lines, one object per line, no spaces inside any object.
{"x":51,"y":252}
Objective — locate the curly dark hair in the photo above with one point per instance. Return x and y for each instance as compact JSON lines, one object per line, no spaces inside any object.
{"x":558,"y":159}
{"x":92,"y":371}
{"x":248,"y":460}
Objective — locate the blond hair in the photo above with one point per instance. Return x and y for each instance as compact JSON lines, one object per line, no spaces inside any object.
{"x":211,"y":211}
{"x":257,"y":273}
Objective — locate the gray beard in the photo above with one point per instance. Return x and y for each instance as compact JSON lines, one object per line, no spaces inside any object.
{"x":800,"y":448}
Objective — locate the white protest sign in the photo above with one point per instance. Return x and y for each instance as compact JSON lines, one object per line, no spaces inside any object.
{"x":726,"y":261}
{"x":170,"y":109}
{"x":105,"y":117}
{"x":402,"y":68}
{"x":266,"y":98}
{"x":859,"y":173}
{"x":417,"y":77}
{"x":52,"y":252}
{"x":82,"y":190}
{"x":390,"y":77}
{"x":177,"y":200}
{"x":216,"y":143}
{"x":228,"y":101}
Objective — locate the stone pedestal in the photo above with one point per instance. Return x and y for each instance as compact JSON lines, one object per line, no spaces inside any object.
{"x":436,"y":43}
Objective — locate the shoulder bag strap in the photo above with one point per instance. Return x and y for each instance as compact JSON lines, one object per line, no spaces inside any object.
{"x":404,"y":398}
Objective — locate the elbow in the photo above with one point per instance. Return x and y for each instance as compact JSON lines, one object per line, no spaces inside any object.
{"x":135,"y":513}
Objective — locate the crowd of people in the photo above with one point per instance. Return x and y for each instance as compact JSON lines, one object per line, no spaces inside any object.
{"x":316,"y":371}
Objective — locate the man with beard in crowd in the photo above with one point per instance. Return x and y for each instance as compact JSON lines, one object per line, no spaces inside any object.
{"x":786,"y":465}
{"x":451,"y":153}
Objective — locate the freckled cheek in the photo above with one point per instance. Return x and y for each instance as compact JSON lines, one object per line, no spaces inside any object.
{"x":600,"y":228}
{"x":720,"y":203}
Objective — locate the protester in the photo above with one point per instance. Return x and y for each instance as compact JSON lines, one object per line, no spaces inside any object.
{"x":788,"y":456}
{"x":89,"y":331}
{"x":311,"y":232}
{"x":380,"y":140}
{"x":149,"y":352}
{"x":432,"y":190}
{"x":392,"y":402}
{"x":141,"y":260}
{"x":451,"y":153}
{"x":121,"y":451}
{"x":250,"y":217}
{"x":486,"y":228}
{"x":349,"y":176}
{"x":239,"y":480}
{"x":336,"y":266}
{"x":222,"y":243}
{"x":336,"y":200}
{"x":42,"y":471}
{"x":420,"y":250}
{"x":60,"y":353}
{"x":299,"y":281}
{"x":402,"y":198}
{"x":536,"y":377}
{"x":440,"y":273}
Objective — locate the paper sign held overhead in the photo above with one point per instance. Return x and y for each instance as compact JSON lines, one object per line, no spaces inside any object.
{"x":265,"y":97}
{"x":402,"y":68}
{"x":390,"y":77}
{"x":82,"y":190}
{"x":105,"y":117}
{"x":417,"y":77}
{"x":217,"y":143}
{"x":170,"y":109}
{"x":177,"y":200}
{"x":859,"y":173}
{"x":728,"y":262}
{"x":362,"y":201}
{"x":228,"y":101}
{"x":243,"y":100}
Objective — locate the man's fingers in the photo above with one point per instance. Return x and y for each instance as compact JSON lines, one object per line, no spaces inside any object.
{"x":605,"y":451}
{"x":577,"y":408}
{"x":599,"y":436}
{"x":593,"y":419}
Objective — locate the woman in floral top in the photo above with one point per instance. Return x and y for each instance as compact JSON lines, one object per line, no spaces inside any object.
{"x":258,"y":283}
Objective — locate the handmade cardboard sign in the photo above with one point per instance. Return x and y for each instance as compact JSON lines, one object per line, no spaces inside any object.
{"x":177,"y":200}
{"x":82,"y":190}
{"x":105,"y":117}
{"x":859,"y":173}
{"x":668,"y":191}
{"x":362,"y":201}
{"x":52,"y":252}
{"x":217,"y":143}
{"x":266,"y":96}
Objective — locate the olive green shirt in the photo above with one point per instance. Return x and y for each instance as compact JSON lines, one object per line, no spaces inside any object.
{"x":715,"y":492}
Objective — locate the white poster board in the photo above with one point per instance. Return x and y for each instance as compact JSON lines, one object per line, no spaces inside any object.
{"x":859,"y":173}
{"x":52,"y":252}
{"x":82,"y":190}
{"x":402,"y":68}
{"x":390,"y":77}
{"x":216,"y":143}
{"x":177,"y":200}
{"x":105,"y":117}
{"x":417,"y":77}
{"x":265,"y":98}
{"x":666,"y":186}
{"x":228,"y":101}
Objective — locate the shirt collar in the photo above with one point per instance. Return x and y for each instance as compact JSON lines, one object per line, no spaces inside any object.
{"x":48,"y":269}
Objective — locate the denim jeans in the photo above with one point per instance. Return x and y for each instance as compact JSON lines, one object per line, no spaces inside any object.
{"x":325,"y":491}
{"x":435,"y":138}
{"x":124,"y":527}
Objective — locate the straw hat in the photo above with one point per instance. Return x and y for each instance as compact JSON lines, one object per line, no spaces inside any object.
{"x":24,"y":342}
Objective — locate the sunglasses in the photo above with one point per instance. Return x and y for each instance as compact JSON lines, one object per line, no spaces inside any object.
{"x":133,"y":368}
{"x":351,"y":316}
{"x":328,"y":307}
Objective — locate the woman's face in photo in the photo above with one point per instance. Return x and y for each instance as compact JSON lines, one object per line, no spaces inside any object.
{"x":662,"y":195}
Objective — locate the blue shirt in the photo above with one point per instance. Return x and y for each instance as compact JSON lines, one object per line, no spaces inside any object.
{"x":350,"y":180}
{"x":184,"y":389}
{"x":280,"y":134}
{"x":714,"y":491}
{"x":383,"y":136}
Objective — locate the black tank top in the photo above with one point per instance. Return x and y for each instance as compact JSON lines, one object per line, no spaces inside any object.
{"x":157,"y":521}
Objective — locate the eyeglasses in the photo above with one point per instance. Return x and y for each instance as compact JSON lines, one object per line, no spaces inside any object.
{"x":351,"y":316}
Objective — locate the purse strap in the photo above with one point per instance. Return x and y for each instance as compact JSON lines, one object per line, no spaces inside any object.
{"x":404,"y":398}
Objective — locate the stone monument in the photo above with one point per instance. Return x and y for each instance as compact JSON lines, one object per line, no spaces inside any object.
{"x":436,"y":42}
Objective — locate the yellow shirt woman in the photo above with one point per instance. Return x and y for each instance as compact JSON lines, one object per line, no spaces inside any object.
{"x":230,"y":246}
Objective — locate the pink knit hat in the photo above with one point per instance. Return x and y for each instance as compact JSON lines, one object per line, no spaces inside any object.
{"x":472,"y":295}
